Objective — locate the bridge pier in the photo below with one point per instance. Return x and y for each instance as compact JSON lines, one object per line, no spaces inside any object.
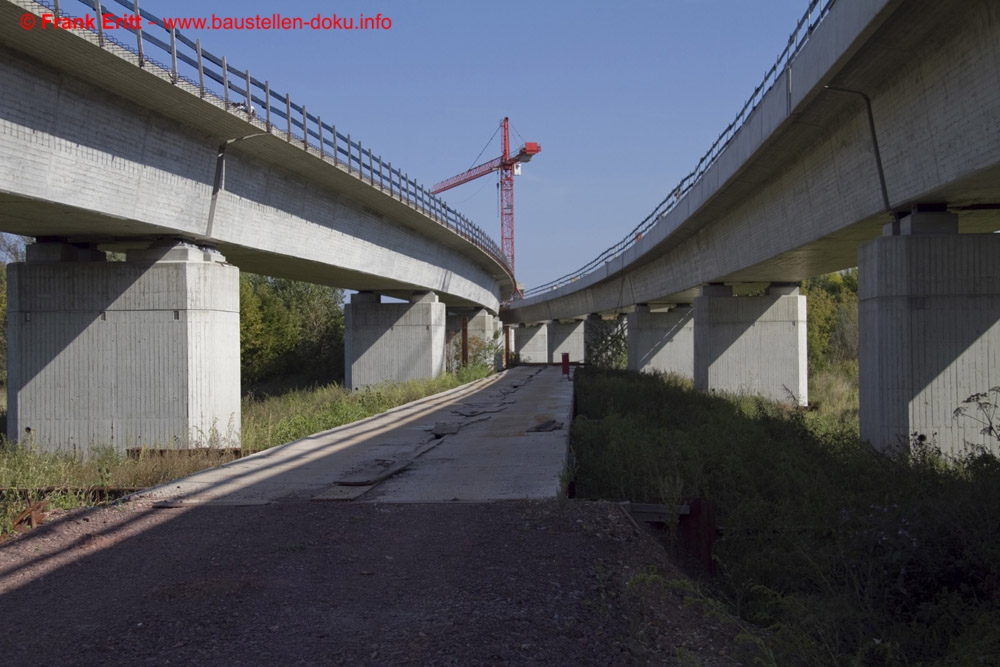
{"x":567,"y":337}
{"x":929,"y":307}
{"x":531,"y":343}
{"x":752,"y":344}
{"x":662,"y":342}
{"x":393,"y":342}
{"x":123,"y":354}
{"x":480,"y":326}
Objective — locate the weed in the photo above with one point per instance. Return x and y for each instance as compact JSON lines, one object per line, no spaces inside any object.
{"x":846,"y":556}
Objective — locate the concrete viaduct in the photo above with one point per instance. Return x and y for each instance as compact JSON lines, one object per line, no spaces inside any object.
{"x":103,"y":147}
{"x":811,"y":183}
{"x":876,"y":143}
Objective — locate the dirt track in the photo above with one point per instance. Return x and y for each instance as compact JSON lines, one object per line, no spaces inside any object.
{"x":512,"y":583}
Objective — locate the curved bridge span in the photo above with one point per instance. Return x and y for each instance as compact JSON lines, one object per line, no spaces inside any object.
{"x":195,"y":170}
{"x":876,"y":145}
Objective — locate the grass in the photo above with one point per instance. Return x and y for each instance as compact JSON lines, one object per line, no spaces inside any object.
{"x":267,"y":421}
{"x":846,"y":556}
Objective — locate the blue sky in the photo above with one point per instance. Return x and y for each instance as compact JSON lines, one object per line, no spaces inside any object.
{"x":624,"y":97}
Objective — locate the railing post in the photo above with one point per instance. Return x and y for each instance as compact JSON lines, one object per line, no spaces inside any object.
{"x":267,"y":104}
{"x":336,"y":158}
{"x":371,"y":171}
{"x":173,"y":56}
{"x":349,"y":153}
{"x":100,"y":23}
{"x":225,"y":82}
{"x":319,"y":124}
{"x":288,"y":114}
{"x":361,"y":162}
{"x":250,"y":111}
{"x":201,"y":68}
{"x":56,"y":8}
{"x":389,"y":164}
{"x":381,"y":178}
{"x":305,"y":128}
{"x":138,"y":30}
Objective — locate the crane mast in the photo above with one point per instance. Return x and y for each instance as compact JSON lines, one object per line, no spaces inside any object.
{"x":508,"y":167}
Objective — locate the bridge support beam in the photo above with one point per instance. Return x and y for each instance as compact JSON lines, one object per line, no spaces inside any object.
{"x":531,"y":343}
{"x":566,"y":337}
{"x":393,"y":342}
{"x":929,"y":332}
{"x":123,"y":354}
{"x":662,"y":342}
{"x":752,"y":344}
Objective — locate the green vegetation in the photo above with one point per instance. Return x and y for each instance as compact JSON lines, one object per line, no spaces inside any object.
{"x":846,"y":556}
{"x":267,"y":422}
{"x":292,"y":356}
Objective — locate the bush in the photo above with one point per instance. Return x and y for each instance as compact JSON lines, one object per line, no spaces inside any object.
{"x":847,"y":556}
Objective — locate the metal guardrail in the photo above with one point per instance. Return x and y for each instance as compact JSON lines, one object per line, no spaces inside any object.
{"x":212,"y":76}
{"x":803,"y":30}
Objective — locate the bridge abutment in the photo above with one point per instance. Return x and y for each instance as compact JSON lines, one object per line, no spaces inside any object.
{"x":929,"y":337}
{"x":662,"y":342}
{"x":143,"y":352}
{"x":752,"y":344}
{"x":393,"y":342}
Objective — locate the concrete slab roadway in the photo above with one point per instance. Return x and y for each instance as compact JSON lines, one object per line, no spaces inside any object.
{"x":486,"y":452}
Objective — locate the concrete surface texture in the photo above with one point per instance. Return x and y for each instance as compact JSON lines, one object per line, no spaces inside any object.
{"x":470,"y":444}
{"x":141,"y":352}
{"x":661,"y":341}
{"x":392,"y":342}
{"x":531,"y":344}
{"x":752,"y":344}
{"x":566,"y":337}
{"x":929,"y":331}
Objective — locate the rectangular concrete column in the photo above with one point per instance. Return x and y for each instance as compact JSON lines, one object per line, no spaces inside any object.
{"x":393,"y":342}
{"x":123,"y":354}
{"x":662,"y":342}
{"x":929,"y":308}
{"x":531,"y":343}
{"x":566,"y":337}
{"x":481,"y":330}
{"x":752,"y":344}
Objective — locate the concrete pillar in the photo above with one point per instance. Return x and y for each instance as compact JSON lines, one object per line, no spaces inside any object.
{"x":531,"y":344}
{"x":393,"y":342}
{"x":481,"y":328}
{"x":929,"y":306}
{"x":662,"y":342}
{"x":566,"y":337}
{"x":752,"y":344}
{"x":123,"y":354}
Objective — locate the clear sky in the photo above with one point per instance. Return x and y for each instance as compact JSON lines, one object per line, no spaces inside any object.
{"x":624,"y":97}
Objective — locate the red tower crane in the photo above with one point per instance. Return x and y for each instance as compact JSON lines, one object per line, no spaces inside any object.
{"x":509,"y":165}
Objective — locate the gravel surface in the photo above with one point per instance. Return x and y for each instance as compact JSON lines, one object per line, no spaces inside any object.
{"x":511,"y":583}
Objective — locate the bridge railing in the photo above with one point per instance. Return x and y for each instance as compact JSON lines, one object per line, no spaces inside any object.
{"x":190,"y":66}
{"x":815,"y":13}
